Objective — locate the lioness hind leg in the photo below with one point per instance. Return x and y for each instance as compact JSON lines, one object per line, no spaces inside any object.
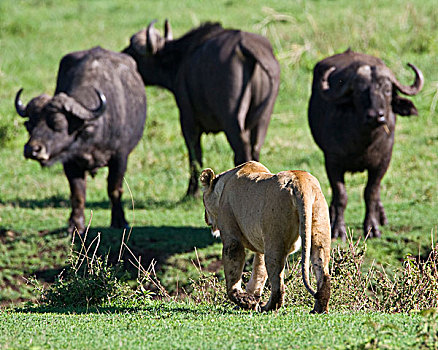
{"x":258,"y":276}
{"x":322,"y":297}
{"x":320,"y":260}
{"x":275,"y":267}
{"x":233,"y":258}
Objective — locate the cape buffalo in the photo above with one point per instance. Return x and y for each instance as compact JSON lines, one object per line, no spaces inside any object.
{"x":352,"y":118}
{"x":222,"y":80}
{"x":95,"y":119}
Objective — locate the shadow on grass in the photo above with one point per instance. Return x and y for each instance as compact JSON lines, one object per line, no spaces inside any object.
{"x":64,"y":202}
{"x":146,"y":244}
{"x":166,"y":307}
{"x":151,"y":242}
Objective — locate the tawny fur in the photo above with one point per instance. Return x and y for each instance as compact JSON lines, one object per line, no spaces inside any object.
{"x":270,"y":214}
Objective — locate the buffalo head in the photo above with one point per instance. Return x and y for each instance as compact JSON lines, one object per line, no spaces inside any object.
{"x":372,"y":89}
{"x":54,"y":124}
{"x":145,"y":47}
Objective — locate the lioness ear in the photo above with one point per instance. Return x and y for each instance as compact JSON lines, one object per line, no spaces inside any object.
{"x":206,"y":178}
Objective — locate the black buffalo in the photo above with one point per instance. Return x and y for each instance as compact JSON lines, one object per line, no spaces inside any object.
{"x":95,"y":119}
{"x":352,"y":115}
{"x":222,"y":80}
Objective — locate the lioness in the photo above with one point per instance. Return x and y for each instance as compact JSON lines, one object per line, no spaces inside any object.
{"x":271,"y":215}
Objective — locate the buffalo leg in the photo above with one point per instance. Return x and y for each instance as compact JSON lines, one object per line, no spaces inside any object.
{"x":375,"y":213}
{"x":258,"y":135}
{"x":240,"y":143}
{"x":263,"y":115}
{"x":77,"y":181}
{"x":339,"y":200}
{"x":192,"y":138}
{"x":116,"y":171}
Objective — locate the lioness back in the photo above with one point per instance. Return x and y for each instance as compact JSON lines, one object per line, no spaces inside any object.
{"x":264,"y":204}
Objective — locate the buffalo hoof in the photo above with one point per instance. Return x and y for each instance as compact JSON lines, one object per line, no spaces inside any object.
{"x":74,"y":230}
{"x":76,"y":225}
{"x":119,"y":223}
{"x":339,"y":231}
{"x":382,"y":217}
{"x":372,"y":231}
{"x":371,"y":228}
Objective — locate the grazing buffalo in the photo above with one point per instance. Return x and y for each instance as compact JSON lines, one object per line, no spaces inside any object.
{"x":222,"y":80}
{"x":352,"y":118}
{"x":95,"y":119}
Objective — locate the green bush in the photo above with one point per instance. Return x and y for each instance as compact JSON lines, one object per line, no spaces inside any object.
{"x":92,"y":281}
{"x":413,"y":286}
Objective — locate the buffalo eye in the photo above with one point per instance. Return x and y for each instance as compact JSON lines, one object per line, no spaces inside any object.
{"x":57,"y":122}
{"x":30,"y":124}
{"x":387,"y":89}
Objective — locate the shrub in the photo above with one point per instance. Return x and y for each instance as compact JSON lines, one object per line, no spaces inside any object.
{"x":414,"y":286}
{"x":93,"y":285}
{"x":208,"y":289}
{"x":91,"y":281}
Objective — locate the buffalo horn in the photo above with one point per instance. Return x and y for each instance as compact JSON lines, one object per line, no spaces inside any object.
{"x":19,"y":107}
{"x":415,"y":87}
{"x":102,"y":105}
{"x":151,"y":42}
{"x":167,"y":31}
{"x":331,"y":93}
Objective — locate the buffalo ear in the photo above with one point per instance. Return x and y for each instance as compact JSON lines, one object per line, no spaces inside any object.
{"x":138,"y":42}
{"x":403,"y":106}
{"x":206,"y":178}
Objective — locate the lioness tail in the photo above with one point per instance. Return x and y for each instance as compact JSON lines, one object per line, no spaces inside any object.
{"x":304,"y":200}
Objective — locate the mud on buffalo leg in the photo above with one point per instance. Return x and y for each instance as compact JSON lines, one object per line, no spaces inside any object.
{"x":77,"y":181}
{"x":375,"y":213}
{"x":339,"y":199}
{"x":117,"y":168}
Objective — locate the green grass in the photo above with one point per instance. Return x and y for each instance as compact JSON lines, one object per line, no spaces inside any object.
{"x":186,"y":326}
{"x":34,"y":202}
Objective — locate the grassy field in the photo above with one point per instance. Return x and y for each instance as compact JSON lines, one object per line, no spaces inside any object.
{"x":185,"y":326}
{"x":34,"y":202}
